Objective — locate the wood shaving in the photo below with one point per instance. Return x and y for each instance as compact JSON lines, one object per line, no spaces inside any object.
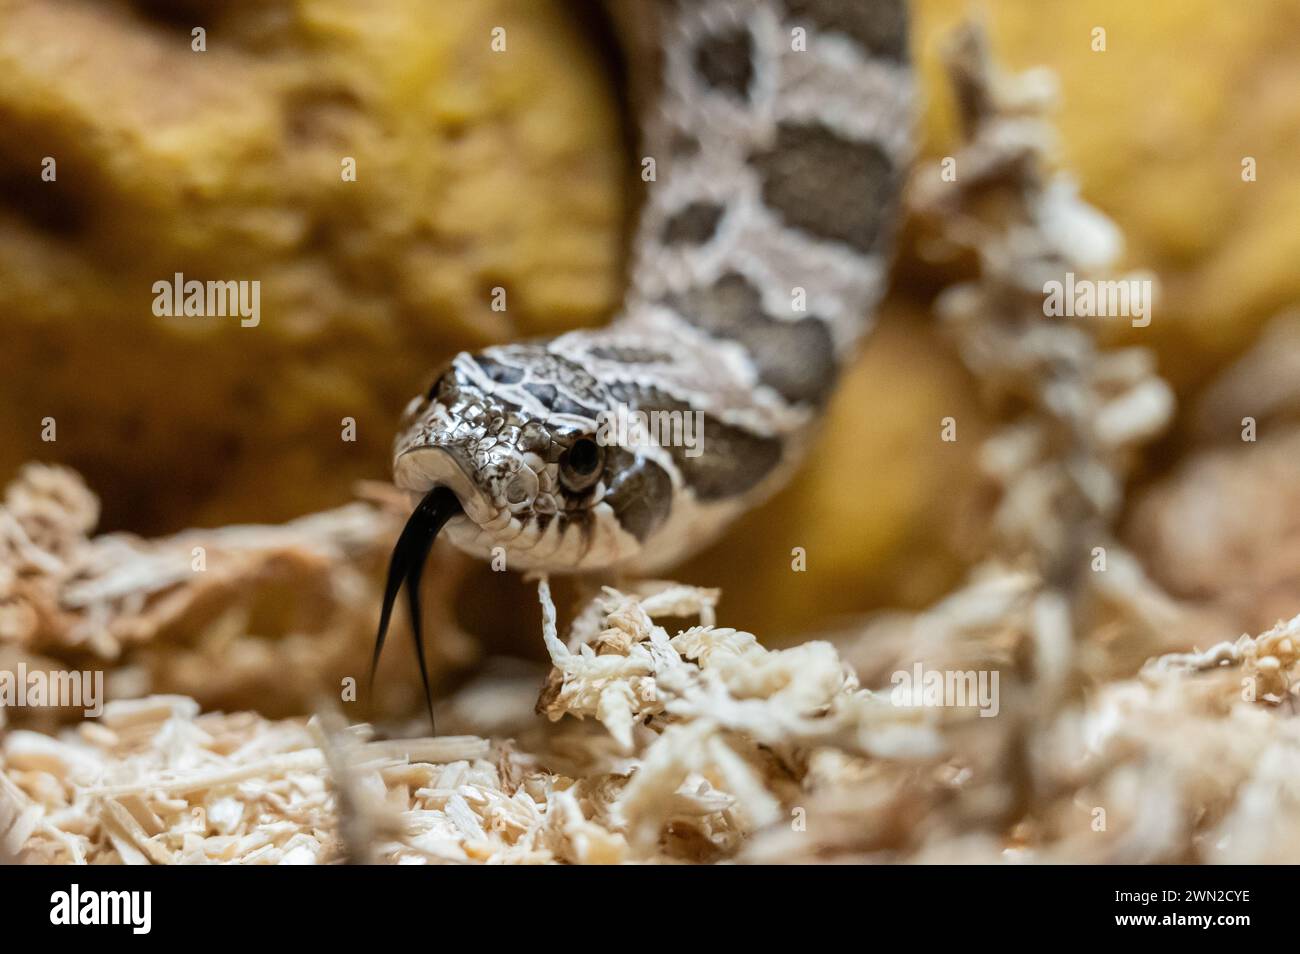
{"x":188,"y":613}
{"x":733,"y":752}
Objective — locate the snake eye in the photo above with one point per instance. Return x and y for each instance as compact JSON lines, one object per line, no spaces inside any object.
{"x":580,"y":464}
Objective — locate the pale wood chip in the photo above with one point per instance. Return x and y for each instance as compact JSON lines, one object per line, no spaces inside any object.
{"x":447,"y":748}
{"x":309,"y":760}
{"x":129,"y":837}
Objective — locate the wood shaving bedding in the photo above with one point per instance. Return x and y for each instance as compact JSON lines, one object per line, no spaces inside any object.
{"x":156,"y":781}
{"x":725,"y":750}
{"x":219,"y":614}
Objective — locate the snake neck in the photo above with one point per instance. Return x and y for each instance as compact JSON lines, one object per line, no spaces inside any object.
{"x":774,"y":158}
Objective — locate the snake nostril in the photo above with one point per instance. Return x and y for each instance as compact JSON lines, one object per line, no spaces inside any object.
{"x":522,"y":488}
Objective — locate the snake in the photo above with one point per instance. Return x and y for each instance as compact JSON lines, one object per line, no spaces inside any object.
{"x":777,"y":144}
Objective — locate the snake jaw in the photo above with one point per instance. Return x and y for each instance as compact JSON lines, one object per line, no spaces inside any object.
{"x":420,"y":469}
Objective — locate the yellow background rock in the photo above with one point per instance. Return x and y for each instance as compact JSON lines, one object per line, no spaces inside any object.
{"x":475,"y":169}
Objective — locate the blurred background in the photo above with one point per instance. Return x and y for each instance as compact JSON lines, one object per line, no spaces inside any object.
{"x":476,"y":171}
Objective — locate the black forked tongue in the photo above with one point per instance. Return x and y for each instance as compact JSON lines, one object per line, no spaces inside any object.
{"x":438,"y":506}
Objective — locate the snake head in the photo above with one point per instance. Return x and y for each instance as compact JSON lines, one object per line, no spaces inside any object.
{"x":515,"y":433}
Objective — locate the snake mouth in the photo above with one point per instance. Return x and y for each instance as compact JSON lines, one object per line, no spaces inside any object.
{"x":421,"y":469}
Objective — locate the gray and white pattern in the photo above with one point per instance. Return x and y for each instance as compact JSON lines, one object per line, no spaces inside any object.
{"x":779,"y":165}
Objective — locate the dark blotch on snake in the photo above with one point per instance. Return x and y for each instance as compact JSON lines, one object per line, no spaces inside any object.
{"x":682,"y":145}
{"x":545,"y":365}
{"x":725,"y":61}
{"x":640,"y":495}
{"x":693,"y":225}
{"x":796,"y":358}
{"x":734,"y":460}
{"x":830,"y":187}
{"x":498,"y":372}
{"x":878,"y":26}
{"x":543,"y":392}
{"x":563,"y":404}
{"x":558,"y":402}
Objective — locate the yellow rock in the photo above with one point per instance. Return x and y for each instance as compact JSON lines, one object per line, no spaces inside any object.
{"x":475,"y":169}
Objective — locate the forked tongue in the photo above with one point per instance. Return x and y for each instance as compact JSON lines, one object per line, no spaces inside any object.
{"x":407,"y":564}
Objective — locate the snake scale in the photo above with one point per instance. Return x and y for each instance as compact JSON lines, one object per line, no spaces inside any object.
{"x":781,"y":135}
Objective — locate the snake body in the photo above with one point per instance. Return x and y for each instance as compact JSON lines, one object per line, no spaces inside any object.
{"x":780,"y":137}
